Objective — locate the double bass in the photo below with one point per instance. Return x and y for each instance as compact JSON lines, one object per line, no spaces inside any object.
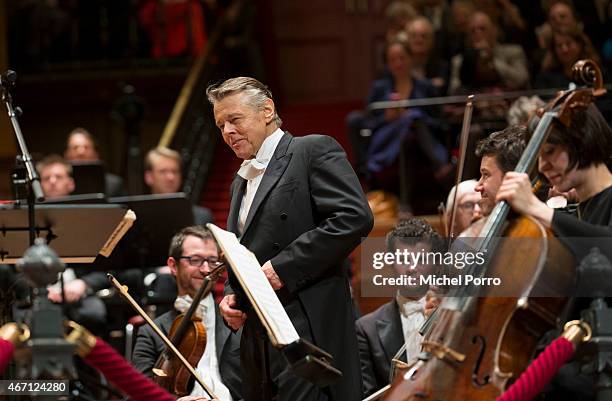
{"x":476,"y":346}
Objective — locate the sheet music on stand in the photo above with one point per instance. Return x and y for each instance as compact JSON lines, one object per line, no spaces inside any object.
{"x":248,"y":271}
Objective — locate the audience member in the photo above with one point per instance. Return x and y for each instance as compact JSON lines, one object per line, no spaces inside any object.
{"x":394,"y":125}
{"x":163,"y":176}
{"x":397,"y":14}
{"x":461,"y":11}
{"x":175,"y":28}
{"x":81,"y":147}
{"x":487,"y":64}
{"x":561,"y":15}
{"x":567,"y":46}
{"x":506,"y":16}
{"x":426,"y":63}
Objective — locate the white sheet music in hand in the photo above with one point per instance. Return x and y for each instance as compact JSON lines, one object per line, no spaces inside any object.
{"x":257,"y":288}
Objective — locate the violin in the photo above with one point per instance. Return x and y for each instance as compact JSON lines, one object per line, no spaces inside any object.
{"x":188,"y":334}
{"x":174,"y":368}
{"x":476,"y":346}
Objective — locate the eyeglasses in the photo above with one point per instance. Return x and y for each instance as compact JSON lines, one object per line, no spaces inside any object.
{"x":198,"y":261}
{"x":467,"y":205}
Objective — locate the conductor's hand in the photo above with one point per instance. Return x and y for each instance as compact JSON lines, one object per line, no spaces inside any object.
{"x":235,"y":318}
{"x":271,"y":275}
{"x":73,"y":291}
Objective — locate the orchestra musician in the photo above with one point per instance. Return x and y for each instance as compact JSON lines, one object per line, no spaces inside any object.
{"x":81,"y":147}
{"x":468,"y":206}
{"x":573,"y":157}
{"x":297,"y":204}
{"x":193,"y":253}
{"x":163,"y":176}
{"x":500,"y":153}
{"x":381,"y":333}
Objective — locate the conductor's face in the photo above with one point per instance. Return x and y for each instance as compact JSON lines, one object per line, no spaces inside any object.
{"x":243,"y":125}
{"x":198,"y":259}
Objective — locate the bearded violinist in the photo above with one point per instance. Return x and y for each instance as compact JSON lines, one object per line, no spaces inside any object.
{"x":193,"y":253}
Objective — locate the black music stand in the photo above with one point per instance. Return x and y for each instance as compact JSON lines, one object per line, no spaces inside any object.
{"x":158,"y":218}
{"x":81,"y":199}
{"x":75,"y":232}
{"x":88,"y":177}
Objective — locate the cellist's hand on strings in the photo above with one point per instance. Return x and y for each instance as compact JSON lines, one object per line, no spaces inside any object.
{"x":432,"y":301}
{"x":516,"y":190}
{"x":234,"y":317}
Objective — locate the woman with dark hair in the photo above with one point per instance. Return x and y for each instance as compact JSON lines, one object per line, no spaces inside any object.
{"x":566,"y":46}
{"x":574,"y":157}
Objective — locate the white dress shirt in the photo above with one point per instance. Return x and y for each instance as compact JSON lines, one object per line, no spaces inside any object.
{"x":252,"y":170}
{"x":412,"y":314}
{"x":208,"y":366}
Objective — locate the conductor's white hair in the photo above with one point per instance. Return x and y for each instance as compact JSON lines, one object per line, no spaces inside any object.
{"x":256,"y":92}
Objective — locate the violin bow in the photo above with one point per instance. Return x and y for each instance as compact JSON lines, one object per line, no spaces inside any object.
{"x":463,"y":141}
{"x":123,"y":290}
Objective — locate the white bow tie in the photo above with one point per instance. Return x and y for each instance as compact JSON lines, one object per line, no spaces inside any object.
{"x":251,"y":168}
{"x":183,"y":303}
{"x":408,"y":307}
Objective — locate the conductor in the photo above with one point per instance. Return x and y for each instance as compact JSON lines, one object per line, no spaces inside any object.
{"x":297,"y":204}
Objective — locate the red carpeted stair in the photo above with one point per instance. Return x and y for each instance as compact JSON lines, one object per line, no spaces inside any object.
{"x":216,"y":191}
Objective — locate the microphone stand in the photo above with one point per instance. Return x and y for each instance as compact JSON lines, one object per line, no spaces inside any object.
{"x":34,"y":189}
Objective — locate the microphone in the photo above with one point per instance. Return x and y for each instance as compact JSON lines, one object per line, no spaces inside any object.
{"x":8,"y":79}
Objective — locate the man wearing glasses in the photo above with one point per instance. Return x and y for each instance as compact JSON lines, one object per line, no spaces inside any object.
{"x":193,"y":254}
{"x":468,"y":206}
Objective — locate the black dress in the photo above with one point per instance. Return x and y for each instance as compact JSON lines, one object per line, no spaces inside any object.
{"x":590,"y":226}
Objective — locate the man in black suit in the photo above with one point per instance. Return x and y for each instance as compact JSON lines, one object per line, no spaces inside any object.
{"x":193,"y":253}
{"x":163,"y":176}
{"x":297,"y":205}
{"x":383,"y":332}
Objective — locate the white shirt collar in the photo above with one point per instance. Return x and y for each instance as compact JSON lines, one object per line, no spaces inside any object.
{"x":266,"y":151}
{"x":408,"y":306}
{"x":251,"y":168}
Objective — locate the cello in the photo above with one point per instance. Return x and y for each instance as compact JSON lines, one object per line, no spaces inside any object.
{"x":478,"y":345}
